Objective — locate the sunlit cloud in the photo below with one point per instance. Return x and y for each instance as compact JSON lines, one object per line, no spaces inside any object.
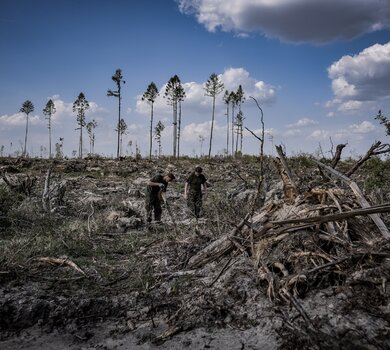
{"x":361,"y":80}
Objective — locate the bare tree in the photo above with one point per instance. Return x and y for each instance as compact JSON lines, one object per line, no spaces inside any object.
{"x":81,"y":105}
{"x":48,"y":111}
{"x":26,"y":108}
{"x":213,"y":87}
{"x":118,"y":79}
{"x":150,"y":96}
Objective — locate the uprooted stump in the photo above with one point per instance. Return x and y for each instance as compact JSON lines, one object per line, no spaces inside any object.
{"x":328,"y":237}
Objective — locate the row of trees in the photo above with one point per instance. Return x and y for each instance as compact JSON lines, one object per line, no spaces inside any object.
{"x":80,"y":106}
{"x":174,"y":94}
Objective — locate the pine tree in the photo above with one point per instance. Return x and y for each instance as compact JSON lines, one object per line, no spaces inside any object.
{"x":117,"y":79}
{"x":150,"y":96}
{"x":48,"y":111}
{"x":239,"y":100}
{"x":26,"y":108}
{"x":233,"y":101}
{"x":226,"y":100}
{"x":81,"y":105}
{"x":174,"y":93}
{"x":213,"y":87}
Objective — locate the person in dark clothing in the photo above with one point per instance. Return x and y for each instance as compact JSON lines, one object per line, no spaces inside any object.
{"x":193,"y":191}
{"x":153,"y":196}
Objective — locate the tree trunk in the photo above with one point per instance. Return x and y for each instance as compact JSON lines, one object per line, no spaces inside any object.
{"x":178,"y":131}
{"x":151,"y":133}
{"x":212,"y":126}
{"x":25,"y":137}
{"x":119,"y":120}
{"x":50,"y":137}
{"x":227,"y":130}
{"x":233,"y":130}
{"x":174,"y":123}
{"x":81,"y":142}
{"x":337,"y":156}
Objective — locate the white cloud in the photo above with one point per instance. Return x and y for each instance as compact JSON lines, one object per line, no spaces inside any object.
{"x":362,"y":128}
{"x":319,"y":135}
{"x":359,"y":80}
{"x":196,"y":102}
{"x":19,"y":119}
{"x":191,"y":132}
{"x":350,"y":106}
{"x":303,"y":122}
{"x":296,"y":21}
{"x":233,"y":77}
{"x":293,"y":132}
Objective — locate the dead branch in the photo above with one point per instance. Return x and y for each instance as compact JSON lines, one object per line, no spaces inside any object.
{"x":359,"y":195}
{"x":254,"y":134}
{"x":60,"y":262}
{"x":376,"y":149}
{"x":46,"y":193}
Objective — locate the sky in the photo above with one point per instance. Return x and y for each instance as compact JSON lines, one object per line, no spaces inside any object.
{"x":319,"y":70}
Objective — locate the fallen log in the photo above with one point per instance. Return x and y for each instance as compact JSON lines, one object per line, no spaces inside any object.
{"x":383,"y":208}
{"x":359,"y":195}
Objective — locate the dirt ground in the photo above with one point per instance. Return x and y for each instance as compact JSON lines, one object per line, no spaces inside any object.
{"x":90,"y":274}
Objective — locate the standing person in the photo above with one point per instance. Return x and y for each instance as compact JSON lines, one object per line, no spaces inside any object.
{"x":153,"y":196}
{"x":193,"y":191}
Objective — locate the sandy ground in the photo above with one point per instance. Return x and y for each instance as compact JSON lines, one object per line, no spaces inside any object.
{"x":34,"y":339}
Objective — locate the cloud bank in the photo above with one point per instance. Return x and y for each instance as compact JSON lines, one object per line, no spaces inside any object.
{"x":317,"y":21}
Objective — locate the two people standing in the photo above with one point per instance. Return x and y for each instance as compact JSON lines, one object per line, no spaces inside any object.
{"x":192,"y":192}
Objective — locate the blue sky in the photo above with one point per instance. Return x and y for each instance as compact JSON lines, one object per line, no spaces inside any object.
{"x":319,"y":69}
